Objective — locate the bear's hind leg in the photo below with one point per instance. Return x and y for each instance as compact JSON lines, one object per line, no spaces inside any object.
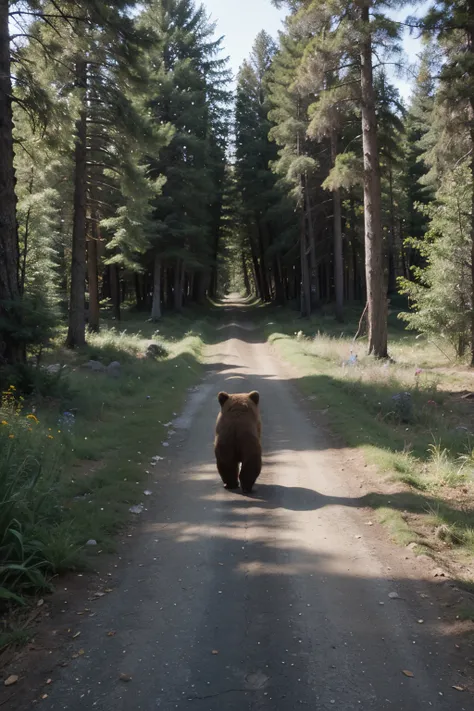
{"x":229,"y":472}
{"x":250,"y":472}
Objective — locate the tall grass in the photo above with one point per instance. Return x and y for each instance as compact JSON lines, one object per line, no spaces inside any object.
{"x":29,"y":473}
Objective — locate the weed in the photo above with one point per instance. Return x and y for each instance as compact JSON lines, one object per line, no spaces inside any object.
{"x":14,"y":638}
{"x":445,"y":471}
{"x":398,"y":527}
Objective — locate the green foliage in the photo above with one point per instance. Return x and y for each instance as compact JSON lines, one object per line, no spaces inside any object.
{"x":346,"y":173}
{"x":187,"y":93}
{"x":28,"y":481}
{"x":442,"y":293}
{"x":30,"y":322}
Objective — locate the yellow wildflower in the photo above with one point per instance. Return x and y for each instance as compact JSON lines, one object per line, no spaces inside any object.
{"x":11,"y":436}
{"x":50,"y":437}
{"x":32,"y":417}
{"x":4,"y":422}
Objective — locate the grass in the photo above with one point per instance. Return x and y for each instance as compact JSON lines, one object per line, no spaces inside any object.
{"x":397,"y":526}
{"x":412,"y":417}
{"x":466,"y":613}
{"x":76,"y":456}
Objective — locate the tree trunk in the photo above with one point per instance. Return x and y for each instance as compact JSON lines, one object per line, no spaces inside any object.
{"x":305,"y":293}
{"x":315,"y":291}
{"x":472,"y":235}
{"x":169,"y":287}
{"x":201,"y":283}
{"x":178,"y":285}
{"x":255,"y":278}
{"x":245,"y":272}
{"x":337,"y":229}
{"x":376,"y":294}
{"x":263,"y":267}
{"x":392,"y":276}
{"x":257,"y":271}
{"x":403,"y":254}
{"x":92,"y":251}
{"x":156,"y":304}
{"x":114,"y":277}
{"x":279,"y":287}
{"x":470,"y":22}
{"x":76,"y":335}
{"x":214,"y":269}
{"x":138,"y":291}
{"x":10,"y":290}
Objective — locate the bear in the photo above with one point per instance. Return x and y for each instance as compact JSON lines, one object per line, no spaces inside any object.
{"x":238,"y":440}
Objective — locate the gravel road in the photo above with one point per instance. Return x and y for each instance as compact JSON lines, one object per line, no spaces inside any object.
{"x":273,"y":602}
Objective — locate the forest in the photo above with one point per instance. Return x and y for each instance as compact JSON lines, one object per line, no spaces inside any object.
{"x":132,"y":175}
{"x":141,"y":182}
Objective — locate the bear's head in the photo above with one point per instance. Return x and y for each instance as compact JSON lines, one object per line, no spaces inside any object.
{"x":239,"y":401}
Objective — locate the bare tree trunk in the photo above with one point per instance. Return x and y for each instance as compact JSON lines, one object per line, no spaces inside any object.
{"x":215,"y":267}
{"x":263,"y":243}
{"x":114,"y":277}
{"x":315,"y":291}
{"x":92,"y":259}
{"x":76,"y":335}
{"x":10,"y":290}
{"x":156,"y":304}
{"x":279,"y":288}
{"x":257,"y":270}
{"x":392,"y":276}
{"x":362,"y":323}
{"x":472,"y":234}
{"x":245,"y":272}
{"x":138,"y":291}
{"x":470,"y":23}
{"x":178,"y":285}
{"x":337,"y":228}
{"x":376,"y":295}
{"x":305,"y":294}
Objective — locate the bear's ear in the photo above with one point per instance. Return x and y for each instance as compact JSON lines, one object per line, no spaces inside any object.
{"x":255,"y":397}
{"x":222,"y":397}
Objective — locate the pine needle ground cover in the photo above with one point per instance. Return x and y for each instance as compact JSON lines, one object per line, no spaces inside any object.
{"x":411,"y":417}
{"x":75,"y":459}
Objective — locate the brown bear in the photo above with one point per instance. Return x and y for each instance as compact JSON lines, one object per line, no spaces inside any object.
{"x":238,"y":434}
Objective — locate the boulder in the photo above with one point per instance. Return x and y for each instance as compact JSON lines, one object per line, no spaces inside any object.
{"x":114,"y":369}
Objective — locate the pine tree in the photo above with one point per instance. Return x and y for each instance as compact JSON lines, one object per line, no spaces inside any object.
{"x":451,"y":136}
{"x":418,"y":190}
{"x":189,"y":83}
{"x":442,"y":291}
{"x":253,"y":154}
{"x":390,"y":115}
{"x":347,"y":33}
{"x":296,"y":164}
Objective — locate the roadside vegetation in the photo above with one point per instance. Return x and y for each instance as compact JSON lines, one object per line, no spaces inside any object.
{"x":412,"y":417}
{"x":76,"y":451}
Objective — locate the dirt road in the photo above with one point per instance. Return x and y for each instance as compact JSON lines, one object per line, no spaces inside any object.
{"x":268,"y":603}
